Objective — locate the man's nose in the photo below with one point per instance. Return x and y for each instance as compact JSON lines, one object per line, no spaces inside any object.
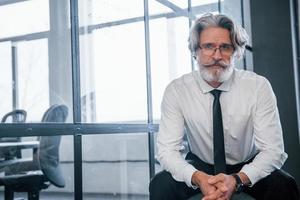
{"x":217,"y":54}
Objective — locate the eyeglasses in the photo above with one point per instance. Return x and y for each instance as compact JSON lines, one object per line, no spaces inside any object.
{"x":209,"y":49}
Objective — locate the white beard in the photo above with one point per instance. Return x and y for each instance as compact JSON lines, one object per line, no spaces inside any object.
{"x":217,"y":75}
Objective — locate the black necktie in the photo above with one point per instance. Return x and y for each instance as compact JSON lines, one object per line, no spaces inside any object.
{"x":218,"y":135}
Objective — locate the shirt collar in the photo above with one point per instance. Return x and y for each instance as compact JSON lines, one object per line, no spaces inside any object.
{"x":205,"y":87}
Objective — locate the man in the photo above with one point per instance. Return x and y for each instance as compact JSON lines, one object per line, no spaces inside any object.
{"x":231,"y":121}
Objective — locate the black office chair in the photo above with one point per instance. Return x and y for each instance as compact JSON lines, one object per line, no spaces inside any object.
{"x":44,"y":169}
{"x":15,"y":116}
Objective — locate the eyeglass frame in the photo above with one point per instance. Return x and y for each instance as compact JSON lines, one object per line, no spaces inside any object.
{"x":222,"y":48}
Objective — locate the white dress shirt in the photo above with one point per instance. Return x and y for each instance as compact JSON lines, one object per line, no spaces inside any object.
{"x":250,"y":121}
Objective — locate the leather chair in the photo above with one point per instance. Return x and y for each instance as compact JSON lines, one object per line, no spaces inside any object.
{"x":37,"y":174}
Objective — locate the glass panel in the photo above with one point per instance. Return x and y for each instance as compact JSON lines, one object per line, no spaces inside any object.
{"x":232,"y":8}
{"x":6,"y":83}
{"x":40,"y":64}
{"x":170,"y":57}
{"x":247,"y":20}
{"x":23,"y":18}
{"x":33,"y":77}
{"x":102,"y":11}
{"x":249,"y":60}
{"x":38,"y":160}
{"x":115,"y":166}
{"x":200,"y":7}
{"x":181,"y":4}
{"x":156,"y":7}
{"x":113,"y":71}
{"x":247,"y":26}
{"x":204,"y":2}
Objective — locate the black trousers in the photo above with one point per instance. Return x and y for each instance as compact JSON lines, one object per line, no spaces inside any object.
{"x":279,"y":185}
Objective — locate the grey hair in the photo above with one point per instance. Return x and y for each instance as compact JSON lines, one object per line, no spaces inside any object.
{"x":238,"y":35}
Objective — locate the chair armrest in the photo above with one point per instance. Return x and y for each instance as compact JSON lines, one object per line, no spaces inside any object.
{"x":20,"y":145}
{"x":17,"y":165}
{"x":7,"y":163}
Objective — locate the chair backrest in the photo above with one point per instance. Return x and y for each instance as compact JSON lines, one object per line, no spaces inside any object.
{"x":15,"y":116}
{"x":49,"y":147}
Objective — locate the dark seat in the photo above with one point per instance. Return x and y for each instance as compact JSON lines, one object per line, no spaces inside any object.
{"x":37,"y":174}
{"x":15,"y":116}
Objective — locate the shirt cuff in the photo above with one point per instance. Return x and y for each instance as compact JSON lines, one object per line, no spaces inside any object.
{"x":254,"y":174}
{"x":188,"y":173}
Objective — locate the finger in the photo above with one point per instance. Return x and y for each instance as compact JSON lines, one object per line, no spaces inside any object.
{"x":210,"y":198}
{"x":217,"y":178}
{"x":222,"y":187}
{"x":217,"y":194}
{"x":211,"y":189}
{"x":222,"y":198}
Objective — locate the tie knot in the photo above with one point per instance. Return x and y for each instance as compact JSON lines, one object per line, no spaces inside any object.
{"x":216,"y":93}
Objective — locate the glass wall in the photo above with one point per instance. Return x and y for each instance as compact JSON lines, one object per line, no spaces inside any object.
{"x":6,"y":82}
{"x":125,"y":66}
{"x":113,"y":72}
{"x":36,"y":86}
{"x":36,"y":59}
{"x":115,"y":166}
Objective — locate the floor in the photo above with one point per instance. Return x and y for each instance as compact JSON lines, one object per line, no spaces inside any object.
{"x":65,"y":196}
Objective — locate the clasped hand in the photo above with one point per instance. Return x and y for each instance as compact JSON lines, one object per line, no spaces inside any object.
{"x":218,"y":187}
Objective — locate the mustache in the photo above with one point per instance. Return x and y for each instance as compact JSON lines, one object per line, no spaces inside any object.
{"x":216,"y":63}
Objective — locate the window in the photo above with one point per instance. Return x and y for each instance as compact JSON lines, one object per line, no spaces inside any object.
{"x":35,"y":60}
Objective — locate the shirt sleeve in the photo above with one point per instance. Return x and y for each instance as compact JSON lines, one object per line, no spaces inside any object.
{"x":170,"y":137}
{"x":267,"y":135}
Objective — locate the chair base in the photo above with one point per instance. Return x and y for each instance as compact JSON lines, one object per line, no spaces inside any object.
{"x":31,"y":195}
{"x":30,"y":183}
